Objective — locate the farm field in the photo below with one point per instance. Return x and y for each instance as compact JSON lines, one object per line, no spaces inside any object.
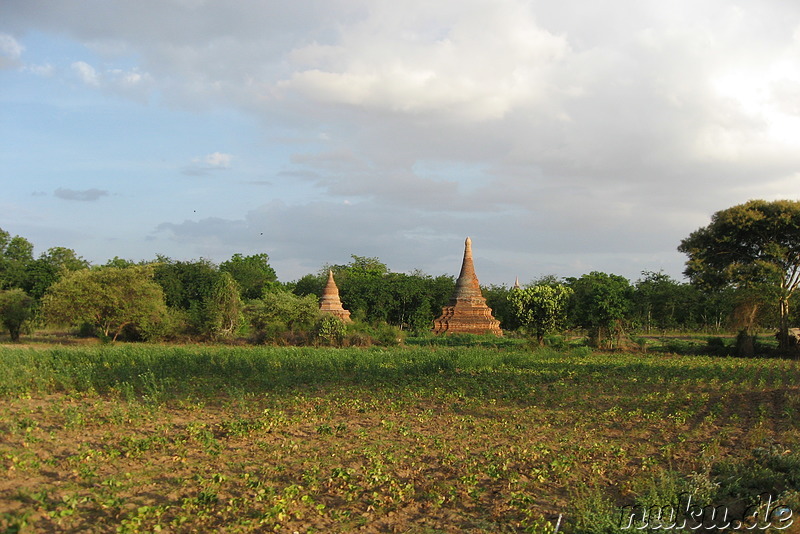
{"x":147,"y":438}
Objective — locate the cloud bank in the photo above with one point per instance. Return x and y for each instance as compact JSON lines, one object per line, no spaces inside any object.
{"x":559,"y":135}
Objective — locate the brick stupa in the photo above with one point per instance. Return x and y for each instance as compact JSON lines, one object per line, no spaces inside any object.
{"x":330,"y":302}
{"x":467,"y":312}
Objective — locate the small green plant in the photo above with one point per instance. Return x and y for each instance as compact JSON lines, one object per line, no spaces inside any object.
{"x":330,"y":330}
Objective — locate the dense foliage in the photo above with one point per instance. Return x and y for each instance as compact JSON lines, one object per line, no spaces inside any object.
{"x":755,"y":245}
{"x":374,"y":294}
{"x":743,"y":270}
{"x":542,"y":308}
{"x":107,"y":298}
{"x":15,"y":311}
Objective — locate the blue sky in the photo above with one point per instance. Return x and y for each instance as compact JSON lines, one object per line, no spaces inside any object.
{"x":561,"y":138}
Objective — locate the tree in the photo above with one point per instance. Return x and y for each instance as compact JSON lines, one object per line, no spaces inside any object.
{"x":310,"y":284}
{"x":121,"y":263}
{"x":16,"y":253}
{"x":280,"y":311}
{"x":361,"y":266}
{"x":541,"y":308}
{"x":185,"y":283}
{"x":600,"y":304}
{"x":43,"y":272}
{"x":188,"y":286}
{"x":253,"y":274}
{"x":661,"y":302}
{"x":497,"y":298}
{"x":375,"y":295}
{"x":15,"y":309}
{"x":223,"y":308}
{"x":755,"y":245}
{"x":108,"y":298}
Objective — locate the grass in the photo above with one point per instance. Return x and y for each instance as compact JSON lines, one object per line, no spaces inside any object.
{"x":144,"y":438}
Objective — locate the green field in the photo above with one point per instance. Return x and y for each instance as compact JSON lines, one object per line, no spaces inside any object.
{"x":145,"y":438}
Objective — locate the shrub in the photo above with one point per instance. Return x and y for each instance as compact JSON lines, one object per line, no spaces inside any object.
{"x":329,"y":330}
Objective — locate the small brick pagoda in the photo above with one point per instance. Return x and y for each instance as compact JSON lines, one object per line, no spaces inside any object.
{"x":467,"y":312}
{"x":330,"y":302}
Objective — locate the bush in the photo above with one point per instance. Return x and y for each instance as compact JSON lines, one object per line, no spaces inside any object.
{"x":388,"y":336}
{"x":329,"y":330}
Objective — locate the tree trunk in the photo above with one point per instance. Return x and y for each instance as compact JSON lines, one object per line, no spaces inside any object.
{"x":783,"y":332}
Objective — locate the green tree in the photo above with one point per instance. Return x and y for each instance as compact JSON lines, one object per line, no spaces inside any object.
{"x":223,"y":308}
{"x":310,"y":284}
{"x":541,"y":308}
{"x":361,"y":266}
{"x":108,"y":298}
{"x":375,"y":295}
{"x":188,"y":286}
{"x":253,"y":274}
{"x":16,"y":308}
{"x":660,"y":302}
{"x":46,"y":270}
{"x":497,"y":298}
{"x":16,"y":253}
{"x":755,"y":245}
{"x":281,"y":312}
{"x":601,"y":303}
{"x":185,"y":283}
{"x":120,"y":263}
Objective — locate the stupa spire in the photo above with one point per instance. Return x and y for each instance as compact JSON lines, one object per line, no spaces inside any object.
{"x":467,"y":285}
{"x":467,"y":312}
{"x":330,"y":301}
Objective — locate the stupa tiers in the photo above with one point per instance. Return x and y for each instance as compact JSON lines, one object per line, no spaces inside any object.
{"x":467,"y":312}
{"x":330,"y":302}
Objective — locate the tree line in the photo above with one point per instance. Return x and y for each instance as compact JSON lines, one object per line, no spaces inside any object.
{"x":742,"y":270}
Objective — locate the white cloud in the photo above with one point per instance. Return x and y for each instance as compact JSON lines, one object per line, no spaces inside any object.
{"x":128,"y":83}
{"x":472,"y":61}
{"x":10,"y":51}
{"x":45,"y":69}
{"x":216,"y":161}
{"x":86,"y":73}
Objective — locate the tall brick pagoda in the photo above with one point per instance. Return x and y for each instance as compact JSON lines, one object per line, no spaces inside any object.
{"x":467,"y":312}
{"x":330,"y":302}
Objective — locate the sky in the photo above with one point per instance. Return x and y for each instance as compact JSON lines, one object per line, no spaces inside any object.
{"x":561,"y":137}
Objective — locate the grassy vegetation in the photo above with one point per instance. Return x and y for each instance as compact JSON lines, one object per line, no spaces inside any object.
{"x":144,"y":438}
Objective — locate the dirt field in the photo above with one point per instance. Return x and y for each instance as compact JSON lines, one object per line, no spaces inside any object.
{"x":506,"y":448}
